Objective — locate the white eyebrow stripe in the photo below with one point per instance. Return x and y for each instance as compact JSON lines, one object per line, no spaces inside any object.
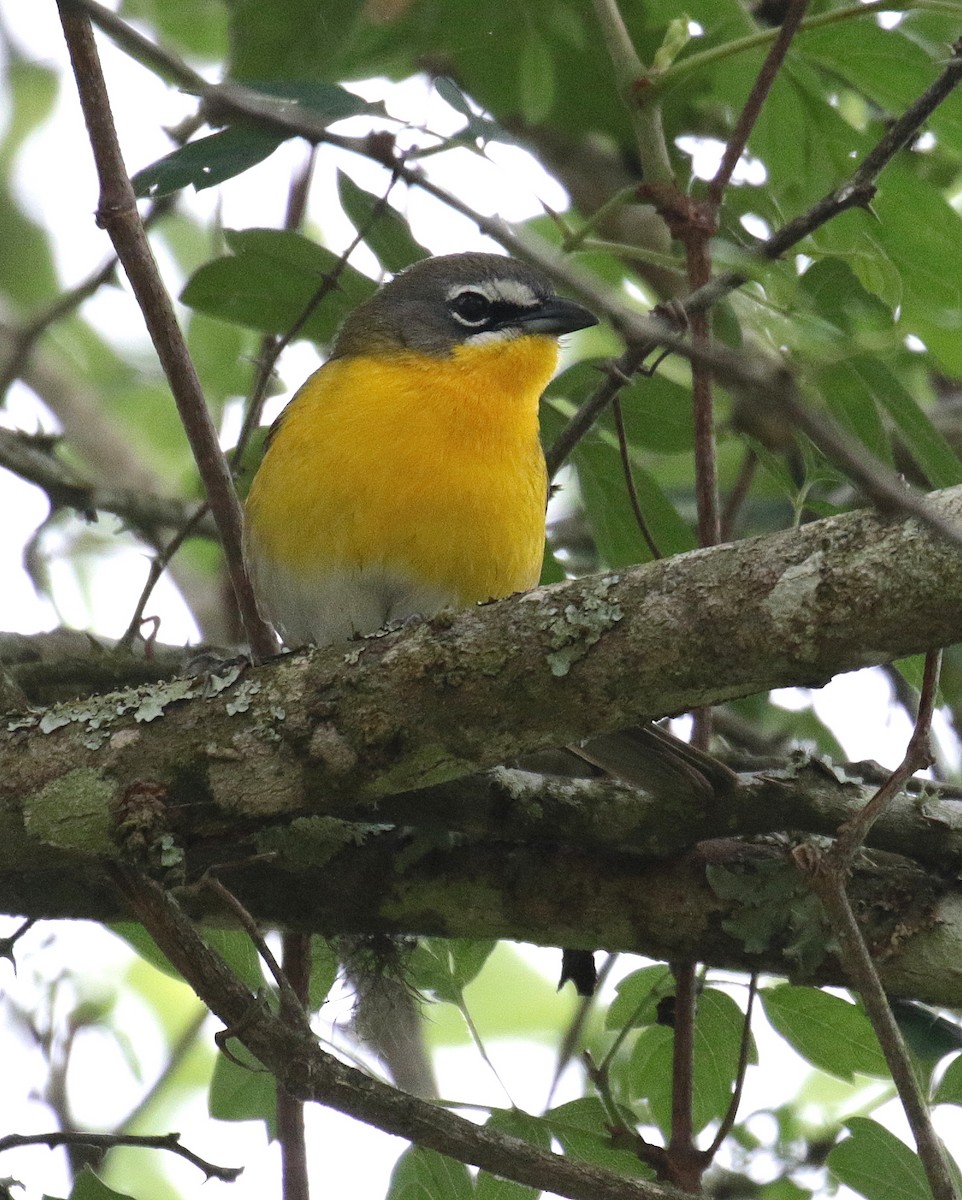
{"x":506,"y":291}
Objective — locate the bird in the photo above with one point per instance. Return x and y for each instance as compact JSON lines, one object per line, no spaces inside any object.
{"x":406,"y":475}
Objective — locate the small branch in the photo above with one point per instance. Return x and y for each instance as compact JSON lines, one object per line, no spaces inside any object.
{"x":117,"y":212}
{"x":857,"y":191}
{"x":26,"y":336}
{"x":290,"y":1051}
{"x":918,"y":756}
{"x":756,"y":98}
{"x":619,"y":374}
{"x":158,"y":565}
{"x":625,"y":453}
{"x":728,"y":1121}
{"x":107,"y":1141}
{"x":684,"y":1163}
{"x":861,"y":971}
{"x":672,"y":76}
{"x":736,"y":497}
{"x":828,"y":873}
{"x":32,"y":458}
{"x":295,"y":1000}
{"x":7,"y":943}
{"x":632,"y":76}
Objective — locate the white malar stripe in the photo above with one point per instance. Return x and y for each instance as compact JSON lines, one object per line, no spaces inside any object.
{"x":504,"y":334}
{"x":335,"y":605}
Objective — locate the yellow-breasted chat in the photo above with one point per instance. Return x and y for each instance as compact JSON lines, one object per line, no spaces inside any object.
{"x":406,"y":475}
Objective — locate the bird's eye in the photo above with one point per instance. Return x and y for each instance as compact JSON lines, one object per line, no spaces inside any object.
{"x":471,"y":308}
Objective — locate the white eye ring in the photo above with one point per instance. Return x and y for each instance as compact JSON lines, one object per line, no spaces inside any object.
{"x":470,"y":307}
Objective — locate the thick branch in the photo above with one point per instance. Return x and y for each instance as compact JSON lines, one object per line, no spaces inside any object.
{"x":457,"y":694}
{"x":193,"y":776}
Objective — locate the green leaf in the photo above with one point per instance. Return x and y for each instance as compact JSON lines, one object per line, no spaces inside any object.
{"x":852,"y":404}
{"x":637,"y":997}
{"x":324,"y":967}
{"x":718,"y":1033}
{"x":207,"y":161}
{"x":582,"y":1127}
{"x":269,"y":281}
{"x":233,"y":945}
{"x":949,"y":1090}
{"x":426,"y":1175}
{"x":928,"y":447}
{"x":445,"y":966}
{"x":536,"y":78}
{"x":199,"y":29}
{"x":88,"y":1186}
{"x":533,"y":1130}
{"x":828,"y":1032}
{"x":384,"y":229}
{"x":876,"y":1164}
{"x":243,"y":1093}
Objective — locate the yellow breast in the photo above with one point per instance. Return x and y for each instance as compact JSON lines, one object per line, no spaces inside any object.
{"x":402,"y":471}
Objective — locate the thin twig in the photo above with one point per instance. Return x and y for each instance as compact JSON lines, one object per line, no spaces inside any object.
{"x":296,"y":958}
{"x":32,"y":458}
{"x":7,"y":943}
{"x":107,"y":1141}
{"x":626,"y":469}
{"x":744,"y":1051}
{"x":158,"y":565}
{"x":738,"y":138}
{"x":683,"y":1158}
{"x":827,"y":873}
{"x":918,"y":756}
{"x":673,"y":75}
{"x":26,"y":336}
{"x":858,"y":964}
{"x":117,"y":212}
{"x":736,"y":497}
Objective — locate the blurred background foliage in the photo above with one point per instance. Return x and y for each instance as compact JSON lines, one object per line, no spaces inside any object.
{"x":868,"y":312}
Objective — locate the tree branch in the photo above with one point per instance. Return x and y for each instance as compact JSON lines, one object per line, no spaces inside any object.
{"x":107,"y":1141}
{"x":290,"y":1051}
{"x":117,"y":212}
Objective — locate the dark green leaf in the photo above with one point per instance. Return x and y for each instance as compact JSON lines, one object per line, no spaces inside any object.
{"x":719,"y":1023}
{"x":243,"y":1093}
{"x":270,"y":280}
{"x":832,"y":1034}
{"x":425,"y":1175}
{"x":582,"y":1127}
{"x":384,"y":230}
{"x":445,"y":966}
{"x":876,"y":1164}
{"x":207,"y":161}
{"x":533,"y":1130}
{"x":324,"y":966}
{"x":88,"y":1186}
{"x":927,"y":446}
{"x":637,"y":997}
{"x":949,"y":1090}
{"x":852,"y":404}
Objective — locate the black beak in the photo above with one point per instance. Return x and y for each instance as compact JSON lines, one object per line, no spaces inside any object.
{"x":556,"y":315}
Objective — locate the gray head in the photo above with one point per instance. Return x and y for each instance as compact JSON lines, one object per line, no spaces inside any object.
{"x":458,"y":299}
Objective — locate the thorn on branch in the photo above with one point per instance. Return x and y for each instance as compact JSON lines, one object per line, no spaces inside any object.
{"x":7,"y":944}
{"x":107,"y":1141}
